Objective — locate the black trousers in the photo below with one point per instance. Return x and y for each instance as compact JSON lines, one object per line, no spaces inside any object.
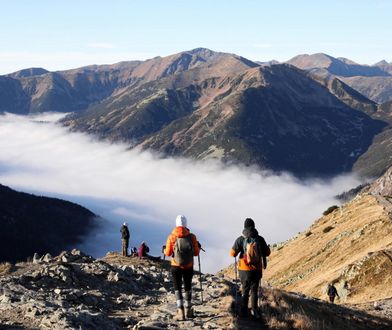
{"x":250,"y":281}
{"x":180,"y":275}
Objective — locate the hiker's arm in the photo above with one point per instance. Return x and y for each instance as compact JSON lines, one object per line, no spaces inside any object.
{"x":236,"y":248}
{"x":265,"y":262}
{"x":266,"y":251}
{"x":169,"y":246}
{"x":196,"y":247}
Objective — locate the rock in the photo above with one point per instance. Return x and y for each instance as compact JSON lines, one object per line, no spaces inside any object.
{"x":57,"y":291}
{"x":46,"y":258}
{"x":113,"y":277}
{"x":36,"y":258}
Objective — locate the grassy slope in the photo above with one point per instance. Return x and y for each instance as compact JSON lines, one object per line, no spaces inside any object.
{"x":353,"y":251}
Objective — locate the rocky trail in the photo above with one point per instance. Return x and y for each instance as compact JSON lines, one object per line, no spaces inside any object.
{"x":76,"y":291}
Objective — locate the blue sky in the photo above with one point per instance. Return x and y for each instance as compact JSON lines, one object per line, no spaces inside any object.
{"x":71,"y":33}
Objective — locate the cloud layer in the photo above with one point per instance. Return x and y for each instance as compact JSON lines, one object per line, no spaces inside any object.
{"x":148,"y":191}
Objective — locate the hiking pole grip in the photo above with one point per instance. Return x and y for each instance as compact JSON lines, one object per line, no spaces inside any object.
{"x":200,"y":279}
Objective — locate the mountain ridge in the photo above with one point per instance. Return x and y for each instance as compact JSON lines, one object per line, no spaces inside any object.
{"x":33,"y":223}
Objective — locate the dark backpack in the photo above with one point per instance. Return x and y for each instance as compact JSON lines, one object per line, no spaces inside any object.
{"x":252,"y":251}
{"x":183,"y":250}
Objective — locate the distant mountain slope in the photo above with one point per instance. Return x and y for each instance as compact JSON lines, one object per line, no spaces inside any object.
{"x":337,"y":66}
{"x":374,"y":82}
{"x":32,"y":224}
{"x":12,"y":97}
{"x":351,"y":247}
{"x":385,"y":66}
{"x":206,"y":104}
{"x":343,"y":91}
{"x":377,"y":158}
{"x":273,"y":116}
{"x":77,"y":89}
{"x":378,"y":89}
{"x":28,"y":73}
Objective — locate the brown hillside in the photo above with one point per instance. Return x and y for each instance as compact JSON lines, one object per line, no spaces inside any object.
{"x":352,"y":247}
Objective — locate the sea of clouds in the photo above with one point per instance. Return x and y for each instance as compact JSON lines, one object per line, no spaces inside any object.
{"x":38,"y":155}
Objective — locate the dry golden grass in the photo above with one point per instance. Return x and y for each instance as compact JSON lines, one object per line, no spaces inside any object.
{"x":274,"y":323}
{"x":283,"y":310}
{"x":5,"y":268}
{"x":308,"y":263}
{"x":301,"y":322}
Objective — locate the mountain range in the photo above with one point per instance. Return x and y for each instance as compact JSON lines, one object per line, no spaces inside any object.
{"x":203,"y":104}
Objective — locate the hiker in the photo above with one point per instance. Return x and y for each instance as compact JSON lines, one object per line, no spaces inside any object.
{"x":332,"y":292}
{"x":252,"y":250}
{"x":134,"y":252}
{"x":182,"y":246}
{"x":124,"y":239}
{"x":143,"y":252}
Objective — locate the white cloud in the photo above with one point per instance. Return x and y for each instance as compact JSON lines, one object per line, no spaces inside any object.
{"x":149,"y":191}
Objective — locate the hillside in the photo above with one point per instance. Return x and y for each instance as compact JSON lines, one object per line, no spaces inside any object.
{"x":204,"y":104}
{"x":374,"y":82}
{"x":275,"y":116}
{"x":74,"y":290}
{"x":351,"y":247}
{"x":34,"y":224}
{"x":337,"y":66}
{"x":74,"y":90}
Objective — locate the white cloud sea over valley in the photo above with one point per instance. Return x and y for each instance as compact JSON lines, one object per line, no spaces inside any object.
{"x":40,"y":156}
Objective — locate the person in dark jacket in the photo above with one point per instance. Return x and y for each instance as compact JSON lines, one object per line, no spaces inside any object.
{"x":125,"y":239}
{"x":250,"y":273}
{"x":143,"y":252}
{"x":332,"y":292}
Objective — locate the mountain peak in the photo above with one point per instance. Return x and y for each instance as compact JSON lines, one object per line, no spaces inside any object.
{"x":338,"y":66}
{"x":28,"y":72}
{"x":201,"y":51}
{"x":381,"y":63}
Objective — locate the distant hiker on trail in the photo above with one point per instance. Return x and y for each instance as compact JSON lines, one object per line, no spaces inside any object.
{"x":182,"y":246}
{"x":143,"y":252}
{"x":252,"y":250}
{"x":332,"y":292}
{"x":124,"y":239}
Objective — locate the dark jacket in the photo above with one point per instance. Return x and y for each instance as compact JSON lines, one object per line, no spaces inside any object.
{"x":238,"y":248}
{"x":124,"y":232}
{"x":332,"y":291}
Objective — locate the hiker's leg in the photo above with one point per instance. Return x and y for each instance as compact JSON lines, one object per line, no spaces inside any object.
{"x":187,"y":276}
{"x":126,"y":247}
{"x":254,"y":286}
{"x":245,"y":285}
{"x":177,"y":279}
{"x":123,"y":247}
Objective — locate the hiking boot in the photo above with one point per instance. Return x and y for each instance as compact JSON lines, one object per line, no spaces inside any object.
{"x":189,"y":313}
{"x":180,"y":316}
{"x":255,"y":313}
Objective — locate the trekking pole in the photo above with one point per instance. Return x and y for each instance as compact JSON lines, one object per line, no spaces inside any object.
{"x":236,"y":279}
{"x":200,"y":279}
